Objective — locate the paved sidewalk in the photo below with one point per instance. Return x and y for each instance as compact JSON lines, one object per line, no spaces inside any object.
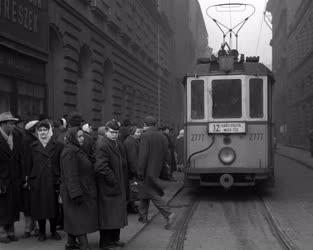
{"x":300,"y":155}
{"x":127,"y":233}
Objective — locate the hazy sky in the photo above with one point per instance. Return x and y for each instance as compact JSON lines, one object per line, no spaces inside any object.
{"x":254,"y":37}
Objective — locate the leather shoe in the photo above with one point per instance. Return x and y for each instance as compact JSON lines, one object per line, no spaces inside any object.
{"x":56,"y":236}
{"x":119,"y":244}
{"x":143,"y":220}
{"x":5,"y":240}
{"x":71,"y":246}
{"x":170,"y":221}
{"x":41,"y":237}
{"x":12,"y":238}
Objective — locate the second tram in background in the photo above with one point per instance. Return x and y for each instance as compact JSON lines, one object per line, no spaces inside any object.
{"x":228,"y":122}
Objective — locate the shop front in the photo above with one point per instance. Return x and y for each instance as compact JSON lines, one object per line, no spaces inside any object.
{"x":23,"y":57}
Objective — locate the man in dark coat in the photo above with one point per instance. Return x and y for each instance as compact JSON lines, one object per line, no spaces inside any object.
{"x":10,"y":177}
{"x":153,"y":150}
{"x":171,"y":151}
{"x":110,"y":168}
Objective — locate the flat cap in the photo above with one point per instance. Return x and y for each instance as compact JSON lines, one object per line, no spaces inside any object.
{"x":150,"y":121}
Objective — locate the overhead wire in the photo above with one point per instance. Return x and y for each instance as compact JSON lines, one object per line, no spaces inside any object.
{"x":259,"y":37}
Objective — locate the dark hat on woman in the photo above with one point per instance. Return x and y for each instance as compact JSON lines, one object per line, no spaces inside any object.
{"x":44,"y":123}
{"x":75,"y":119}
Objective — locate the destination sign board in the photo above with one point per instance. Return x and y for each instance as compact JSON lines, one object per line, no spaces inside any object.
{"x":227,"y":127}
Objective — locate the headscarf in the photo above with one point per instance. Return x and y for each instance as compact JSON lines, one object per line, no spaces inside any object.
{"x":71,"y":136}
{"x":46,"y":124}
{"x":181,"y":134}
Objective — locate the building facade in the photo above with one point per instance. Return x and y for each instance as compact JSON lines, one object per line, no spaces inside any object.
{"x":293,"y":68}
{"x":23,"y":56}
{"x":104,"y":58}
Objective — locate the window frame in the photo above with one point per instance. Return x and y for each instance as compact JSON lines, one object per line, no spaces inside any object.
{"x":205,"y":98}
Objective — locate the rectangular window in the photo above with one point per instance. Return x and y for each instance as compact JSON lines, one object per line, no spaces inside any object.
{"x":197,"y":99}
{"x":226,"y":98}
{"x":256,"y":98}
{"x":5,"y":94}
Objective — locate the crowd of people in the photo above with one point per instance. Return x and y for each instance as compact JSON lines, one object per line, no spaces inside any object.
{"x":82,"y":180}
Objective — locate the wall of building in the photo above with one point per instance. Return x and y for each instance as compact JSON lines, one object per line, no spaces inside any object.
{"x":292,"y":64}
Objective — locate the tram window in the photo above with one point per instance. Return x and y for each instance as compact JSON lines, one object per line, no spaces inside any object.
{"x":256,"y":98}
{"x":197,"y":99}
{"x":226,"y":98}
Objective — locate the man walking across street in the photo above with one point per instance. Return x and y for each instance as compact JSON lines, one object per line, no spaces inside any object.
{"x":153,"y":151}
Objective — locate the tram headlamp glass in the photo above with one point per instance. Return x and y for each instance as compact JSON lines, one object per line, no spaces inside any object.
{"x":227,"y":155}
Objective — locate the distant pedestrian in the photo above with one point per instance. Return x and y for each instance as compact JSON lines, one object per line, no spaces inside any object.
{"x":45,"y":179}
{"x":78,"y":191}
{"x":179,"y":149}
{"x":171,"y":161}
{"x":10,"y":172}
{"x":124,"y":130}
{"x":110,"y":168}
{"x":153,"y":150}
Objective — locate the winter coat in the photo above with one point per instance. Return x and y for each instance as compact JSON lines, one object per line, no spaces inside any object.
{"x":132,"y":150}
{"x":110,"y":169}
{"x":153,"y":149}
{"x":29,"y":139}
{"x":171,"y":153}
{"x":179,"y":148}
{"x":10,"y":180}
{"x":78,"y":179}
{"x":45,"y":179}
{"x":89,"y":147}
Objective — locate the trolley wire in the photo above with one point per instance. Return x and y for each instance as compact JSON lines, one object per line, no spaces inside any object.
{"x":260,"y":31}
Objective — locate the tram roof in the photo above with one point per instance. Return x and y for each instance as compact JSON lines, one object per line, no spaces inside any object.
{"x":246,"y":68}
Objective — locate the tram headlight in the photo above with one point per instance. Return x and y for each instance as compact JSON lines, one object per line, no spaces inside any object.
{"x":227,"y":155}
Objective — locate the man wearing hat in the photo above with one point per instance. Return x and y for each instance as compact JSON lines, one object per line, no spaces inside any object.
{"x":153,"y":149}
{"x":10,"y":167}
{"x":110,"y":168}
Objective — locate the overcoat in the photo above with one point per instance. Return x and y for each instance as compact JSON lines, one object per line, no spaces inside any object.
{"x":110,"y":168}
{"x":179,"y":148}
{"x":28,"y":140}
{"x":153,"y":149}
{"x":45,"y":179}
{"x":10,"y":180}
{"x":132,"y":150}
{"x":78,"y":179}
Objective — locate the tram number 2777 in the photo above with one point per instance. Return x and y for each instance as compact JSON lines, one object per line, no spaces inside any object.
{"x":197,"y":137}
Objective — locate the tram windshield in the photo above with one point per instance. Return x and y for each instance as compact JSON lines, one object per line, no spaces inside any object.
{"x":226,"y":98}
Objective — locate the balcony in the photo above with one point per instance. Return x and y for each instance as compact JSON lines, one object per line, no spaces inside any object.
{"x":101,"y":8}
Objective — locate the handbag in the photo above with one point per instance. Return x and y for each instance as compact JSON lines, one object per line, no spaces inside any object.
{"x":166,"y":172}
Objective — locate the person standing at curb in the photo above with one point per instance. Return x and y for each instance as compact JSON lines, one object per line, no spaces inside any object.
{"x":110,"y":168}
{"x":78,"y":191}
{"x":10,"y":172}
{"x":153,"y":149}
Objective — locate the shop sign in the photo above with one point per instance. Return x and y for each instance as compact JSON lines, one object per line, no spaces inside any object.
{"x":25,"y":22}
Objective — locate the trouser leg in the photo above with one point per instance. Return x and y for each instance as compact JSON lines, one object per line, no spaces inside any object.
{"x":42,"y":226}
{"x":115,"y":235}
{"x":83,"y":242}
{"x":29,"y":225}
{"x":144,"y":208}
{"x":9,"y":228}
{"x":71,"y":239}
{"x":53,"y":225}
{"x":161,"y":206}
{"x":109,"y":236}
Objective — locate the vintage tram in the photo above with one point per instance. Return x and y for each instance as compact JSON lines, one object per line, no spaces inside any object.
{"x":228,"y":121}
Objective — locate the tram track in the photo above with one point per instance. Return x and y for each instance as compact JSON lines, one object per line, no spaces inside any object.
{"x":178,"y":237}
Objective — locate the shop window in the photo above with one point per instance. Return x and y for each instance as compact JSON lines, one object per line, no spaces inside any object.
{"x":5,"y":93}
{"x":30,"y":99}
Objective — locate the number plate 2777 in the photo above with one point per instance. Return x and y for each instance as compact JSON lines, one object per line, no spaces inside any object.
{"x":227,"y":127}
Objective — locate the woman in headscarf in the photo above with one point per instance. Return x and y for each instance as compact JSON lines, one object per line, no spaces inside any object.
{"x":78,"y":191}
{"x":44,"y":179}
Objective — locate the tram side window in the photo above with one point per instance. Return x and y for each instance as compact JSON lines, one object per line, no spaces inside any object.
{"x":226,"y":98}
{"x":197,"y":99}
{"x":256,"y":98}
